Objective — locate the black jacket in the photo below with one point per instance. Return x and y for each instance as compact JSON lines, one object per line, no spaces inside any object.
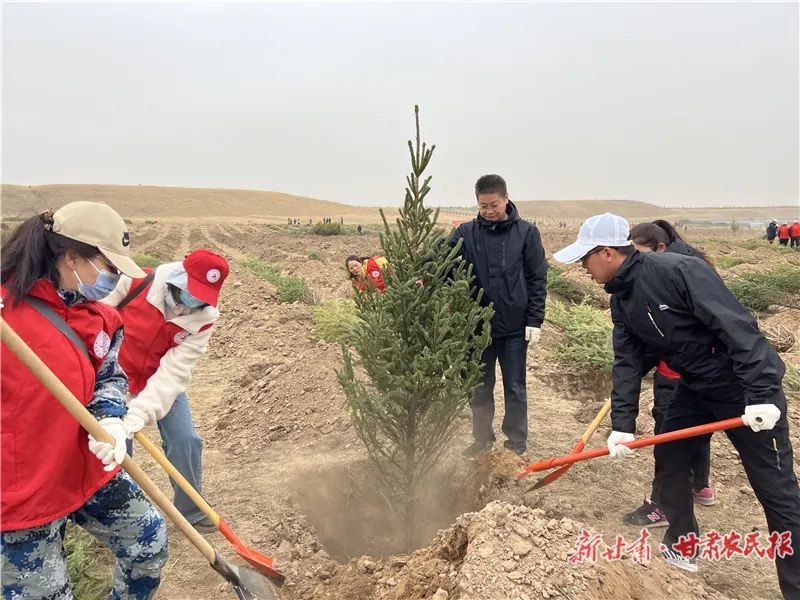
{"x":772,"y":231}
{"x":678,"y":308}
{"x":508,"y":262}
{"x":681,"y":247}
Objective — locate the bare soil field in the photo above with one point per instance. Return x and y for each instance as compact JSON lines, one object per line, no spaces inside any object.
{"x":285,"y":468}
{"x":283,"y":465}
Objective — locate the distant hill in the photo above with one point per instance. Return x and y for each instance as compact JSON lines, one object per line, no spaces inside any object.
{"x":146,"y":202}
{"x":151,"y":202}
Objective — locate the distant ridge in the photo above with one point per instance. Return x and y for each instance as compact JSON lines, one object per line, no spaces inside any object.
{"x":153,"y":202}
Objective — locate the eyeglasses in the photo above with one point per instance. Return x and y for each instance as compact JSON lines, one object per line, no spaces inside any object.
{"x":107,"y":266}
{"x":588,"y":254}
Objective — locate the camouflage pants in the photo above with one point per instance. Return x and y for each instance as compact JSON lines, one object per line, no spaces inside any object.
{"x":34,"y":563}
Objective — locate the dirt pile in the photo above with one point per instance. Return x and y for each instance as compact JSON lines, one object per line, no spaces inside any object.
{"x":286,"y":392}
{"x":503,"y":551}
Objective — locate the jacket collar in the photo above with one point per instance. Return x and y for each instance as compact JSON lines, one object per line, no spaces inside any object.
{"x":626,"y":274}
{"x":513,"y":217}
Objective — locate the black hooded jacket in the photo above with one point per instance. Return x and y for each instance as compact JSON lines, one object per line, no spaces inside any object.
{"x":508,"y":262}
{"x":677,"y":307}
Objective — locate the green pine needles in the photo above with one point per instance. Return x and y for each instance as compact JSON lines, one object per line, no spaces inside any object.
{"x":414,"y":360}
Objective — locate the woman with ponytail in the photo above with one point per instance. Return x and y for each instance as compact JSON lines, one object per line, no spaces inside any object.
{"x":54,"y":268}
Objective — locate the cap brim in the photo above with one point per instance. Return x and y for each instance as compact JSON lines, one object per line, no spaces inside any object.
{"x":202,"y":291}
{"x":124,"y":264}
{"x":573,"y":252}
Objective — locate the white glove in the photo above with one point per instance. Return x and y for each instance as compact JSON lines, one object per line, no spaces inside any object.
{"x":615,"y":449}
{"x":132,"y":424}
{"x":532,"y":335}
{"x":109,"y":455}
{"x":761,"y":417}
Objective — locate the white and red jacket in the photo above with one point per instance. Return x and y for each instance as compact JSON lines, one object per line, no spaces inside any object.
{"x":158,"y":355}
{"x":47,"y":468}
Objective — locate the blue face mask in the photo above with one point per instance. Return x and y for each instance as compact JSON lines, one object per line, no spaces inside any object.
{"x":102,"y":287}
{"x":187,"y":299}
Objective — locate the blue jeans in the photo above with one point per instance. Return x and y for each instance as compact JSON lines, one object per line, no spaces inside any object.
{"x":511,"y":352}
{"x":34,"y":562}
{"x":184,"y":449}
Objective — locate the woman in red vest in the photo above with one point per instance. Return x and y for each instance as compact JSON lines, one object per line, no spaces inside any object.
{"x":168,"y":316}
{"x":366,"y":272}
{"x":660,"y":236}
{"x":794,"y":234}
{"x":783,"y":234}
{"x":54,"y":268}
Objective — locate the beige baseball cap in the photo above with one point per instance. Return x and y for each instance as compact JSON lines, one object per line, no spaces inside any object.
{"x":98,"y":225}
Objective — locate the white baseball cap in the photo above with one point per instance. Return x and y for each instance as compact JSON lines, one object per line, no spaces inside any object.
{"x":600,"y":230}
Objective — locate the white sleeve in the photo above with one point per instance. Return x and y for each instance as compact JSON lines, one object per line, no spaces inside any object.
{"x":120,"y":292}
{"x":170,"y":379}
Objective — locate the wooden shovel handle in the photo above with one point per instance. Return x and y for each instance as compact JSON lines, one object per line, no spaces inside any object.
{"x":579,"y":445}
{"x":595,"y":423}
{"x":74,"y":406}
{"x":148,"y":445}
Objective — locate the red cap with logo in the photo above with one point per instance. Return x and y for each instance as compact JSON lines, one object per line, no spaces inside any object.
{"x":205,"y":272}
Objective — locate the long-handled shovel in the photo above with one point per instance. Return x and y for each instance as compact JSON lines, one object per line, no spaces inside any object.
{"x":580,"y":445}
{"x":671,"y":436}
{"x":262,"y":563}
{"x":247,"y":584}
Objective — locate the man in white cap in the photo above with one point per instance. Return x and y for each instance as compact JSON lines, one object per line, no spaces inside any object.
{"x":676,"y":307}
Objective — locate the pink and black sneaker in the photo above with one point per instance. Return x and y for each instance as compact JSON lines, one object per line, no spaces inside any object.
{"x":647,"y":515}
{"x":704,"y":497}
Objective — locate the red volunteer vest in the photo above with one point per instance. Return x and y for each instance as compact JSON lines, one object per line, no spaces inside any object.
{"x":47,"y":469}
{"x":148,"y":337}
{"x":794,"y":230}
{"x":373,"y":277}
{"x":783,"y":232}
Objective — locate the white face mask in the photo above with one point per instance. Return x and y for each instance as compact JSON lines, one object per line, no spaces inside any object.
{"x":173,"y":309}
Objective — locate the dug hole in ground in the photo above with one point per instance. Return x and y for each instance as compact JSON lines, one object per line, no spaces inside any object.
{"x":284,"y":467}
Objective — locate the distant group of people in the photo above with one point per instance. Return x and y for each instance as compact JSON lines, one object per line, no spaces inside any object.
{"x":326,"y":220}
{"x":785,"y":233}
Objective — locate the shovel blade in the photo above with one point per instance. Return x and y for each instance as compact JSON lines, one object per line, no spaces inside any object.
{"x":247,"y":584}
{"x":260,"y":562}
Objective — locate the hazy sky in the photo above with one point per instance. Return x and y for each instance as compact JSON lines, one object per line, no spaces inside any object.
{"x":674,"y":103}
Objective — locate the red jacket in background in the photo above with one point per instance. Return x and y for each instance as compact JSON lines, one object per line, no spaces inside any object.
{"x":794,"y":229}
{"x":47,"y":469}
{"x":373,"y":275}
{"x":783,"y":232}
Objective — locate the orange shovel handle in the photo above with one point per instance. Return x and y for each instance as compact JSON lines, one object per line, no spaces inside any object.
{"x":640,"y":443}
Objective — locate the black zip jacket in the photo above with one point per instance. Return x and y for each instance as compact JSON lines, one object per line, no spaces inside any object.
{"x":678,"y":308}
{"x":508,"y":262}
